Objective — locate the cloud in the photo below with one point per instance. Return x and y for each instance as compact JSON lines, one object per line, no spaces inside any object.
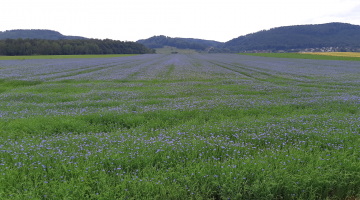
{"x":351,"y":16}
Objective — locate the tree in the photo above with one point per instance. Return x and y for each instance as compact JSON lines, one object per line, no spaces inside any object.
{"x":2,"y":48}
{"x":67,"y":49}
{"x":56,"y":48}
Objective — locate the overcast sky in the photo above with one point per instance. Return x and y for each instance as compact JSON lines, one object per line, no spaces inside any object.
{"x":131,"y":20}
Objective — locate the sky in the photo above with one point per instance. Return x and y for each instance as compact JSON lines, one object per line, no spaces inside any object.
{"x":131,"y":20}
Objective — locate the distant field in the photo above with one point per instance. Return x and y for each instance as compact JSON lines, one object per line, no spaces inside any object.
{"x":315,"y":56}
{"x":168,"y":50}
{"x":343,"y":54}
{"x":64,"y":56}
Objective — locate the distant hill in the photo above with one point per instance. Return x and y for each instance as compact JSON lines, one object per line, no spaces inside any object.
{"x":298,"y":37}
{"x":36,"y":34}
{"x":161,"y":41}
{"x":210,"y":43}
{"x":174,"y":50}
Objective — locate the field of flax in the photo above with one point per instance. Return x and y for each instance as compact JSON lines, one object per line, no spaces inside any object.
{"x":215,"y":126}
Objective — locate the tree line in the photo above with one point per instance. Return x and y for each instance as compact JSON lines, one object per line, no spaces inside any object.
{"x":12,"y":47}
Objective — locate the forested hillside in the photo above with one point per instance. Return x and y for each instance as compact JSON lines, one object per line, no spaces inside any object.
{"x":161,"y":41}
{"x":298,"y":37}
{"x":20,"y":46}
{"x":35,"y":34}
{"x":210,"y":43}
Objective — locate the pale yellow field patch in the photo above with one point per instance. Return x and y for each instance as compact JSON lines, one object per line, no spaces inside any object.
{"x":343,"y":54}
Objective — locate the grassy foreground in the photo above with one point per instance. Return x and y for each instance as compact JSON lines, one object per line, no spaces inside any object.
{"x":64,"y":56}
{"x":179,"y":127}
{"x":316,"y":56}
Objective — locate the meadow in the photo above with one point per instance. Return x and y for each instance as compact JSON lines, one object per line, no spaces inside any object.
{"x":196,"y":126}
{"x":346,"y":56}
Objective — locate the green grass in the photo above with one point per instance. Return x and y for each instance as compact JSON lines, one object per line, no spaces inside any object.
{"x":64,"y":56}
{"x":11,"y":84}
{"x":302,"y":56}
